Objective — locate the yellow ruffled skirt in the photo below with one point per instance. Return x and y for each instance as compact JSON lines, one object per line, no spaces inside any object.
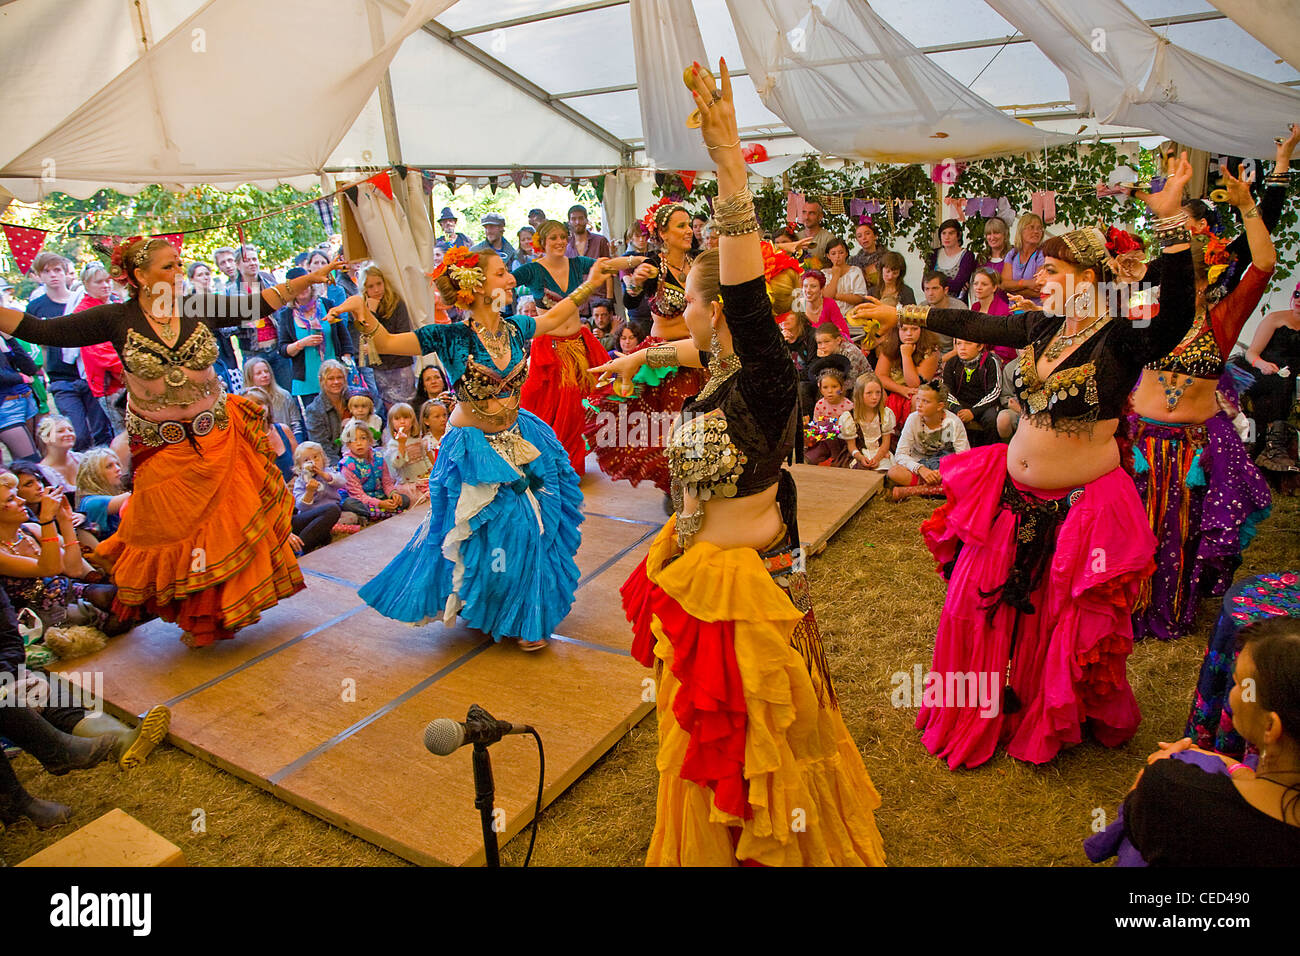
{"x":755,"y":763}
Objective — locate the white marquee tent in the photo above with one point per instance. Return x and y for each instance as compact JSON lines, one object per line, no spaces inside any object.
{"x":128,"y":92}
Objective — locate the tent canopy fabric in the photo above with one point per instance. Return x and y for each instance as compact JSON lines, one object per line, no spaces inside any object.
{"x":123,"y":93}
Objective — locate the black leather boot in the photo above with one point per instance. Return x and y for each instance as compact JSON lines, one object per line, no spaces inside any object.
{"x":16,"y":803}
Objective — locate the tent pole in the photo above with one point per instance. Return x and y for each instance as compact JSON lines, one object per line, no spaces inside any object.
{"x":387,"y":105}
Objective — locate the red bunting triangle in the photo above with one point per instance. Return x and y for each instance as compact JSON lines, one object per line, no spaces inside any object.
{"x":175,"y":239}
{"x":383,"y":183}
{"x":687,"y":178}
{"x":25,"y":243}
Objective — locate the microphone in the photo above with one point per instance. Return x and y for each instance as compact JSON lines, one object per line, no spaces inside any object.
{"x":445,"y":736}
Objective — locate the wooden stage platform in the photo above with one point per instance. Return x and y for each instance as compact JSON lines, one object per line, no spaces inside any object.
{"x":324,"y":702}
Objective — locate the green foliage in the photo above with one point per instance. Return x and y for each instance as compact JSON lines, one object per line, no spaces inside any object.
{"x":156,"y":210}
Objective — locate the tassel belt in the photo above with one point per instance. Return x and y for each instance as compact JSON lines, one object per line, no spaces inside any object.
{"x":158,"y":434}
{"x":1037,"y":521}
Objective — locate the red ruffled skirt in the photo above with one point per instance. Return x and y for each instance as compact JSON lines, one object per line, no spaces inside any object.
{"x":1070,"y":655}
{"x":558,"y":378}
{"x":637,"y":454}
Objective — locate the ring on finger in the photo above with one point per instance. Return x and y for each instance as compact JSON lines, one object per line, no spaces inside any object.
{"x":716,"y":96}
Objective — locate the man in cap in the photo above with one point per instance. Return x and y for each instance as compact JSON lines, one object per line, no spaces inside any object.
{"x":494,"y":227}
{"x":450,"y":237}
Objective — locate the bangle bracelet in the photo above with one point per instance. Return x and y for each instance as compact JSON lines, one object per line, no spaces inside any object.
{"x":723,"y":145}
{"x":48,"y":540}
{"x":661,"y":356}
{"x":44,"y":523}
{"x":1251,"y":213}
{"x":1235,"y":767}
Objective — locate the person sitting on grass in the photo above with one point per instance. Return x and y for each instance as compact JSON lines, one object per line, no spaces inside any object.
{"x":929,"y":434}
{"x":1193,"y":807}
{"x":369,"y":481}
{"x":973,"y":378}
{"x":404,"y":453}
{"x":825,"y":446}
{"x":100,"y":494}
{"x":869,"y":428}
{"x":314,"y":484}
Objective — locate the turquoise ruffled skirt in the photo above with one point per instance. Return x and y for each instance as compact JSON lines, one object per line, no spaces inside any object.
{"x":497,"y":548}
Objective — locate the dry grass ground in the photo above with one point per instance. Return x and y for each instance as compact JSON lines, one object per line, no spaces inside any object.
{"x":878,"y":602}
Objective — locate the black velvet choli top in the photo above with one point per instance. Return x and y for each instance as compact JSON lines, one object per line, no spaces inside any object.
{"x":1093,"y":382}
{"x":735,"y":435}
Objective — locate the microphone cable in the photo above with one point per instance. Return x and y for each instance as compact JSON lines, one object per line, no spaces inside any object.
{"x":541,"y":777}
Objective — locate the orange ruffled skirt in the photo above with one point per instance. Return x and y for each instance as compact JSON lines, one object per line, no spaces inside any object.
{"x":754,"y":766}
{"x":204,"y":539}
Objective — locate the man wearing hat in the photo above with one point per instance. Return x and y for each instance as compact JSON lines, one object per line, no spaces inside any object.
{"x":450,"y":237}
{"x":494,"y":227}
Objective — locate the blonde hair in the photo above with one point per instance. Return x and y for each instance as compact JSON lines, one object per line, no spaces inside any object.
{"x":332,"y":365}
{"x":48,"y":424}
{"x":424,"y":409}
{"x":9,"y":480}
{"x":1023,"y":221}
{"x":403,"y":408}
{"x":361,"y":397}
{"x":258,"y":394}
{"x":388,"y":301}
{"x":860,"y":410}
{"x":92,"y":478}
{"x":304,"y":449}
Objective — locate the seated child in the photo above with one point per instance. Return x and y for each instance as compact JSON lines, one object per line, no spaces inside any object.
{"x":869,"y":428}
{"x":929,"y":434}
{"x":433,"y":425}
{"x":831,"y":342}
{"x":361,"y":408}
{"x":825,"y":446}
{"x":404,"y":453}
{"x":100,"y":495}
{"x":314,"y":483}
{"x":973,"y":378}
{"x":369,"y":481}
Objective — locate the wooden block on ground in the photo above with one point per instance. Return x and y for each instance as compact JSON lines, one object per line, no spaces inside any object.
{"x":383,"y":785}
{"x":828,"y":498}
{"x":115,"y":839}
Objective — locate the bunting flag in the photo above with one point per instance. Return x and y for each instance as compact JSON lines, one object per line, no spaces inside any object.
{"x":517,"y":175}
{"x":176,"y":239}
{"x":384,"y":183}
{"x":25,"y":243}
{"x":428,"y":179}
{"x":687,"y":177}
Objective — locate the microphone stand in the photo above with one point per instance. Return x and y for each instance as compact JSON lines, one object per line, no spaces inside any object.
{"x":484,"y":787}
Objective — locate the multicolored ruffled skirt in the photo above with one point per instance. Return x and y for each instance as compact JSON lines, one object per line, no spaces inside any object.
{"x":629,"y":435}
{"x":1248,"y":601}
{"x":755,"y":764}
{"x":1204,"y":498}
{"x":1066,"y":660}
{"x":497,"y":548}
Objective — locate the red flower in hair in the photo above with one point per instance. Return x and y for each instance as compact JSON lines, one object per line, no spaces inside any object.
{"x":648,"y":220}
{"x":117,"y":261}
{"x":1118,"y":242}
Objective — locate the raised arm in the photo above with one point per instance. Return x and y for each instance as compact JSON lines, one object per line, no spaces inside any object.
{"x":562,"y":319}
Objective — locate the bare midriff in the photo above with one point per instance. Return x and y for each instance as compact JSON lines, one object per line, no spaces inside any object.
{"x":1197,"y":404}
{"x":1051,"y":460}
{"x":144,"y":394}
{"x":670,"y":330}
{"x":492,"y":415}
{"x":749,"y":522}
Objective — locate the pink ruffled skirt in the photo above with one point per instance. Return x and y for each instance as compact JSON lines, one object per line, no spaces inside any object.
{"x":1068,"y":665}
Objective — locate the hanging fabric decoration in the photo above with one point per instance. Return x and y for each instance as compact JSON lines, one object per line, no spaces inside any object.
{"x":325,"y":209}
{"x":1044,"y":205}
{"x":25,"y":243}
{"x":834,"y":205}
{"x":794,"y":206}
{"x":857,"y":208}
{"x":428,"y":181}
{"x":1004,"y":210}
{"x":904,"y":208}
{"x":537,"y":179}
{"x":958,"y":207}
{"x":871,"y":207}
{"x":451,"y":182}
{"x":517,"y":177}
{"x":688,"y":179}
